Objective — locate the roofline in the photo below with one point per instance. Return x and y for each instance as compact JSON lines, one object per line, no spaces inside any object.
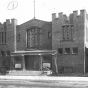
{"x":35,"y":19}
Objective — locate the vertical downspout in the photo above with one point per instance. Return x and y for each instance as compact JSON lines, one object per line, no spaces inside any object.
{"x":84,"y":37}
{"x":56,"y":63}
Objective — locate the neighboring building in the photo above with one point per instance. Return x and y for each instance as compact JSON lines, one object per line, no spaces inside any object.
{"x":67,"y":35}
{"x":70,"y":38}
{"x":6,"y":42}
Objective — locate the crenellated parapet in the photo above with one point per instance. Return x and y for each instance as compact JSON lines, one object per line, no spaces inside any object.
{"x":53,"y":16}
{"x":68,"y":19}
{"x":7,"y":25}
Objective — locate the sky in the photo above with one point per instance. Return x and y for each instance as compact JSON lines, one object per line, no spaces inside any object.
{"x":23,"y":10}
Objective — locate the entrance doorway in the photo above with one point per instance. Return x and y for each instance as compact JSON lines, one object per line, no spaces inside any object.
{"x":31,"y":62}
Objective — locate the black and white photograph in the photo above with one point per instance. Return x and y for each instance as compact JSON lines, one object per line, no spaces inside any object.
{"x":43,"y":44}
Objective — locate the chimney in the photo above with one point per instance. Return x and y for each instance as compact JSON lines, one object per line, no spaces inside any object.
{"x":14,"y":23}
{"x":53,"y":16}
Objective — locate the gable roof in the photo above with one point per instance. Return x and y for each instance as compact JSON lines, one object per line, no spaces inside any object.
{"x":35,"y":20}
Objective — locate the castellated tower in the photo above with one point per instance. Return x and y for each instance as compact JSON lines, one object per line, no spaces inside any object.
{"x":7,"y":35}
{"x":69,"y":38}
{"x":11,"y":34}
{"x":7,"y":41}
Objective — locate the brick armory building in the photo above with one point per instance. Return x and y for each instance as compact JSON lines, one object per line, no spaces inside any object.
{"x":70,"y":39}
{"x":67,"y":35}
{"x":32,"y":35}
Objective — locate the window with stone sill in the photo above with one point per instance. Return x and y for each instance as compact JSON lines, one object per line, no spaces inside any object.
{"x":18,"y":38}
{"x":34,"y":37}
{"x":67,"y":33}
{"x":49,"y":35}
{"x":67,"y":51}
{"x":2,"y":37}
{"x":60,"y":51}
{"x":75,"y":50}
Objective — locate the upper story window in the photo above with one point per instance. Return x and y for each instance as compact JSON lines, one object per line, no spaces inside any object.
{"x":49,"y":35}
{"x":34,"y":37}
{"x":86,"y":33}
{"x":2,"y":37}
{"x":67,"y":32}
{"x":40,"y":38}
{"x":18,"y":37}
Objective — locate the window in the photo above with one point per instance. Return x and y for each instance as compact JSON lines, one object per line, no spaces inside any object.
{"x":8,"y":53}
{"x":49,"y":35}
{"x":34,"y":37}
{"x":72,"y":31}
{"x":75,"y":50}
{"x":2,"y":53}
{"x":60,"y":50}
{"x":33,"y":41}
{"x":86,"y":33}
{"x":67,"y":50}
{"x":63,"y":32}
{"x":40,"y":38}
{"x":2,"y":37}
{"x":18,"y":38}
{"x":67,"y":32}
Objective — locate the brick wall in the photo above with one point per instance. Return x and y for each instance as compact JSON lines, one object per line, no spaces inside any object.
{"x":7,"y":27}
{"x":45,"y":27}
{"x":75,"y":62}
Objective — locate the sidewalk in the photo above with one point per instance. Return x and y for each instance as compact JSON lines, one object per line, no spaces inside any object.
{"x":43,"y":78}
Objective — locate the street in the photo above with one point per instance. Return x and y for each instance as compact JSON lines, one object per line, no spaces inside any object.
{"x":42,"y":84}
